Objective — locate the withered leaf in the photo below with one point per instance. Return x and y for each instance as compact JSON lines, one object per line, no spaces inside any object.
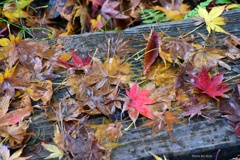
{"x":14,"y":133}
{"x":152,"y":51}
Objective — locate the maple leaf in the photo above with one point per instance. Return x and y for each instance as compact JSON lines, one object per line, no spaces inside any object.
{"x":15,"y":116}
{"x":78,"y":62}
{"x":212,"y":19}
{"x":211,"y":85}
{"x":231,"y":108}
{"x":96,"y":23}
{"x":173,"y":14}
{"x":151,"y":52}
{"x":108,"y":133}
{"x":170,"y":119}
{"x":14,"y":11}
{"x":84,"y":147}
{"x":138,"y":103}
{"x":14,"y":133}
{"x":5,"y":154}
{"x":55,"y":151}
{"x":108,"y":11}
{"x":236,"y":128}
{"x":177,"y":47}
{"x":209,"y":57}
{"x":192,"y":110}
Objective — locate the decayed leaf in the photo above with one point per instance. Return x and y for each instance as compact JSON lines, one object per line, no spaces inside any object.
{"x":107,"y":134}
{"x":152,"y":51}
{"x":193,"y":110}
{"x":108,"y":10}
{"x":55,"y":151}
{"x":211,"y":86}
{"x":4,"y":104}
{"x":58,"y":138}
{"x":177,"y":47}
{"x":212,"y":19}
{"x":138,"y":103}
{"x":231,"y":107}
{"x":5,"y":154}
{"x":41,"y":91}
{"x":15,"y":116}
{"x":14,"y":133}
{"x":82,"y":12}
{"x":13,"y":11}
{"x":209,"y":57}
{"x":170,"y":119}
{"x":84,"y":148}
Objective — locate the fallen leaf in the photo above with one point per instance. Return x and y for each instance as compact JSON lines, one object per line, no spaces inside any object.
{"x":173,"y":14}
{"x":139,"y":99}
{"x":15,"y":116}
{"x":170,"y":119}
{"x":212,"y":19}
{"x":231,"y":107}
{"x":55,"y":151}
{"x":108,"y":10}
{"x":193,"y":110}
{"x":211,"y":86}
{"x":151,"y":52}
{"x":156,"y":157}
{"x":14,"y":133}
{"x":209,"y":57}
{"x":5,"y":154}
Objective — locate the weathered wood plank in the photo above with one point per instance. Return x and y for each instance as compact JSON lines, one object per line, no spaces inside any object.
{"x":203,"y":137}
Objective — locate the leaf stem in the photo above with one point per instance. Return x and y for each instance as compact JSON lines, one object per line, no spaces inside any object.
{"x":193,"y":30}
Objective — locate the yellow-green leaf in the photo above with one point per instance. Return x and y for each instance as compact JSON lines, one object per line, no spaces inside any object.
{"x":156,"y":157}
{"x":56,"y":152}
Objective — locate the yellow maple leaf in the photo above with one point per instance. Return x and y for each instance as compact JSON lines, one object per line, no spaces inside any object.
{"x":13,"y":11}
{"x":12,"y":40}
{"x":8,"y":73}
{"x":212,"y":19}
{"x":175,"y":15}
{"x":55,"y":151}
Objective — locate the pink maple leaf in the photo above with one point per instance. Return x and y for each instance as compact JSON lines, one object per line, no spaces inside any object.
{"x":138,"y":103}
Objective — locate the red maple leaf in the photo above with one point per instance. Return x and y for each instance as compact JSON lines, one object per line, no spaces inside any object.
{"x":78,"y":62}
{"x":138,"y":103}
{"x":211,"y":85}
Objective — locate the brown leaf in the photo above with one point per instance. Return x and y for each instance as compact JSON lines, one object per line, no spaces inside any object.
{"x":14,"y":133}
{"x":15,"y":116}
{"x":108,"y":10}
{"x":151,"y":52}
{"x":170,"y":119}
{"x":177,"y":46}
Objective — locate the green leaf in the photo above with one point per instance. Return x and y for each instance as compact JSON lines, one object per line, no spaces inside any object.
{"x":223,"y":2}
{"x":194,"y":12}
{"x":150,"y":16}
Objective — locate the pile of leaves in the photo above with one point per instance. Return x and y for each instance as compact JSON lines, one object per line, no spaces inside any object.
{"x":58,"y":18}
{"x":178,"y":80}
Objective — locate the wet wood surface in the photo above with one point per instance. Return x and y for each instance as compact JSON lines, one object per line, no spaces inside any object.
{"x":199,"y":139}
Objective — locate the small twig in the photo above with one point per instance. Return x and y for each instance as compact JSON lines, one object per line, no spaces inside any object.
{"x":238,"y":75}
